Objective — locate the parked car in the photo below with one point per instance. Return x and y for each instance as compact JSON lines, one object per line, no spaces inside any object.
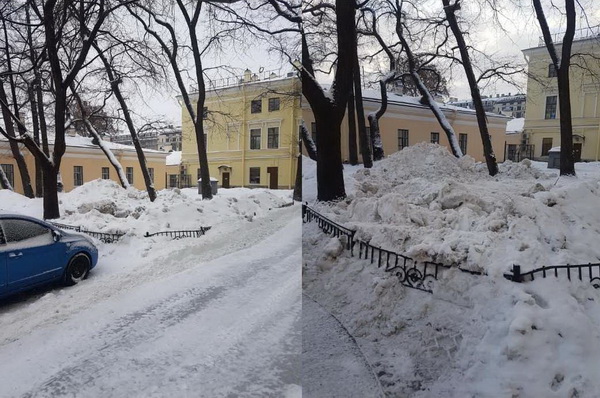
{"x":34,"y":253}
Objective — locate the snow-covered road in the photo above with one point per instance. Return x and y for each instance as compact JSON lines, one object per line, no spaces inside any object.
{"x":216,"y":325}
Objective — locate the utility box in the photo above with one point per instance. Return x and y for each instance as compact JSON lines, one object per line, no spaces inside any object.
{"x":213,"y":186}
{"x":554,"y":158}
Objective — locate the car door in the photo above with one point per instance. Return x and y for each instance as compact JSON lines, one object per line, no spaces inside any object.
{"x":32,"y":255}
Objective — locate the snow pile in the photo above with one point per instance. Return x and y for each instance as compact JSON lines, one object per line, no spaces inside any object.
{"x":476,"y":336}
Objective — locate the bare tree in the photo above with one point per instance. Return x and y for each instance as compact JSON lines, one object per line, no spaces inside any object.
{"x":450,"y":10}
{"x":562,"y":65}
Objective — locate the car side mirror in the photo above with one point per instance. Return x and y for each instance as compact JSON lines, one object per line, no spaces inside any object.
{"x":56,"y":235}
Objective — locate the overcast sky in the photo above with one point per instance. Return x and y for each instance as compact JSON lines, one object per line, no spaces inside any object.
{"x":514,"y":31}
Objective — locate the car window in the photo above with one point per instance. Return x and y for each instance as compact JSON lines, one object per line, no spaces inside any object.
{"x":21,"y":234}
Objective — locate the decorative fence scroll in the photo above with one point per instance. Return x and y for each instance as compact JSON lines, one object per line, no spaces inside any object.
{"x":419,"y":275}
{"x":194,"y":233}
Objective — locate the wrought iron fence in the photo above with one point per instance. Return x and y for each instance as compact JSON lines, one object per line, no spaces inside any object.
{"x":415,"y":274}
{"x":112,"y":237}
{"x":195,"y":233}
{"x":588,"y":271}
{"x":328,"y":226}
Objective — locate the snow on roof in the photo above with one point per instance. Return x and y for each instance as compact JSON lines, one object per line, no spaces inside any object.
{"x":416,"y":101}
{"x":174,"y":158}
{"x":86,"y":142}
{"x":515,"y":126}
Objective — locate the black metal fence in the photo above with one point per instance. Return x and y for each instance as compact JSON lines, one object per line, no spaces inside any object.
{"x":112,"y":237}
{"x":588,"y":271}
{"x":194,"y":233}
{"x":419,"y":275}
{"x":328,"y":226}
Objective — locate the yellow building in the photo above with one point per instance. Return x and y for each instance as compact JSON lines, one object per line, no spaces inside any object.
{"x":251,"y":128}
{"x":542,"y":128}
{"x":407,"y":122}
{"x":84,"y":162}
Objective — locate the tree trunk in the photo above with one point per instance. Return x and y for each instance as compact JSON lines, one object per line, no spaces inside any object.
{"x":330,"y":171}
{"x":309,"y":144}
{"x":298,"y":184}
{"x":51,"y":210}
{"x":488,"y":152}
{"x":14,"y":147}
{"x":114,"y":85}
{"x":363,"y":138}
{"x":373,"y":118}
{"x":4,"y":183}
{"x":352,"y":146}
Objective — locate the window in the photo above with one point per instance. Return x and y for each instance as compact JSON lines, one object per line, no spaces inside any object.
{"x":205,"y":113}
{"x":129,"y":173}
{"x":151,"y":173}
{"x":105,"y":173}
{"x":462,"y":142}
{"x":9,"y":170}
{"x":546,"y":146}
{"x":435,"y":138}
{"x":273,"y":104}
{"x":552,"y":70}
{"x":254,"y":175}
{"x":24,"y":234}
{"x":550,"y":107}
{"x":273,"y":137}
{"x":255,"y":138}
{"x":77,"y":175}
{"x":256,"y":106}
{"x":198,"y":175}
{"x":402,"y":138}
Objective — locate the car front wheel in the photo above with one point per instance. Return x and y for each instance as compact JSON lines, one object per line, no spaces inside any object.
{"x":77,"y":270}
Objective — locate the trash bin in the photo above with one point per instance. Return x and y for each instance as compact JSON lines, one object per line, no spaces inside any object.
{"x":554,"y":158}
{"x":213,"y":185}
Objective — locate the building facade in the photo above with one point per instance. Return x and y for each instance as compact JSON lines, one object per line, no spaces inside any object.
{"x":408,"y":122}
{"x":251,"y":132}
{"x":542,"y":127}
{"x":166,"y":138}
{"x":84,"y":162}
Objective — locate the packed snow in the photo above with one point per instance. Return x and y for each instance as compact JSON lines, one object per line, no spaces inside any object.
{"x":475,"y":336}
{"x":214,"y":316}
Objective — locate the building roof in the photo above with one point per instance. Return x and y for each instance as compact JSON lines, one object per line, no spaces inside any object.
{"x":86,"y":142}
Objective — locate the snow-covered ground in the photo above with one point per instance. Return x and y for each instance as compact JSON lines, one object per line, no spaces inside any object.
{"x":476,"y":336}
{"x":215,"y":316}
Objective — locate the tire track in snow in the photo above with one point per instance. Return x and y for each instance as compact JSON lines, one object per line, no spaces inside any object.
{"x":118,"y":342}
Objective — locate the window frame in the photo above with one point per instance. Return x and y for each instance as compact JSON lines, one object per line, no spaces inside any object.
{"x":274,"y":104}
{"x":463,"y":139}
{"x":255,"y":141}
{"x":77,"y":176}
{"x":551,"y":107}
{"x":251,"y":171}
{"x":256,"y":106}
{"x":434,"y":137}
{"x":105,"y":173}
{"x":272,"y":138}
{"x":129,"y":175}
{"x":552,"y":72}
{"x":403,"y":138}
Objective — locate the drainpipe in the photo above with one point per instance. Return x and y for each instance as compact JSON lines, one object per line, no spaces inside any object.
{"x":243,"y":127}
{"x":598,"y":141}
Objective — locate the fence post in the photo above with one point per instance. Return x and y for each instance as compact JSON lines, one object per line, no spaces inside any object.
{"x":517,"y":277}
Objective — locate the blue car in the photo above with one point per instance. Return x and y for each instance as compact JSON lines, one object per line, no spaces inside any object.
{"x":34,"y":253}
